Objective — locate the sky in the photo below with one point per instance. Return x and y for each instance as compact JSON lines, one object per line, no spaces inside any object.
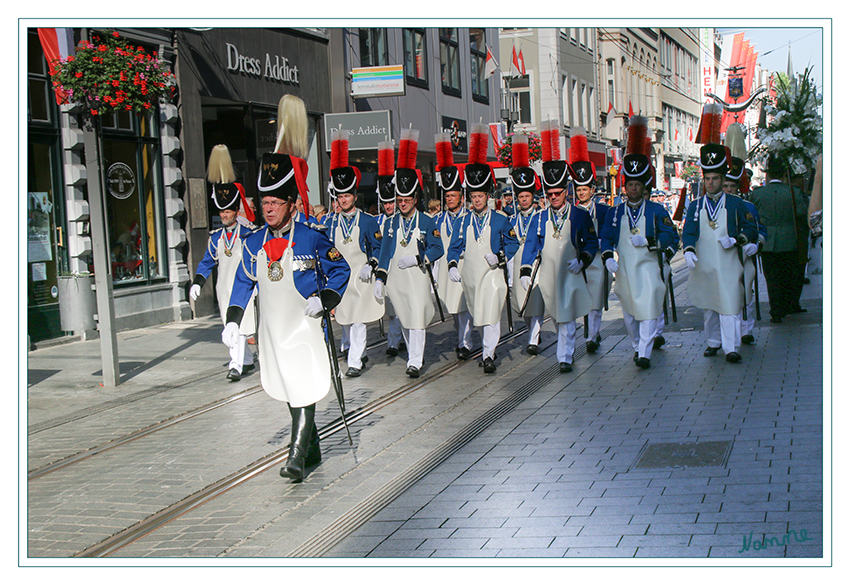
{"x":772,"y":45}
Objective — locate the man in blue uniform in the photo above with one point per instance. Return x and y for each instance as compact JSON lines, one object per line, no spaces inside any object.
{"x":298,"y":274}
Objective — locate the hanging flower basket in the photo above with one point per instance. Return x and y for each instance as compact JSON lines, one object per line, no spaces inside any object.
{"x":110,"y":75}
{"x":794,"y":132}
{"x":535,"y":148}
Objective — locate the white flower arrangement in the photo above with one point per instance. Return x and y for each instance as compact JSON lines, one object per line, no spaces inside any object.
{"x":794,"y":132}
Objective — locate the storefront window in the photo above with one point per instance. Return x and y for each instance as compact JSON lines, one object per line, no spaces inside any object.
{"x":450,"y":61}
{"x":373,"y":47}
{"x":478,"y":57}
{"x":415,"y":56}
{"x":131,"y":169}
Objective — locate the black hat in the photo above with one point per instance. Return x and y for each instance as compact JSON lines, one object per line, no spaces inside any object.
{"x":226,"y":196}
{"x":524,"y":179}
{"x":555,"y":174}
{"x":386,"y":188}
{"x":283,"y":176}
{"x":345,"y":179}
{"x":451,"y":178}
{"x":582,"y":173}
{"x":407,"y":183}
{"x":636,"y":168}
{"x":736,"y":169}
{"x":479,"y":177}
{"x":712,"y":158}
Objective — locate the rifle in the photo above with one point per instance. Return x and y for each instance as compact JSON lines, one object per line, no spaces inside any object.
{"x":531,"y":285}
{"x":504,"y":264}
{"x":330,"y":344}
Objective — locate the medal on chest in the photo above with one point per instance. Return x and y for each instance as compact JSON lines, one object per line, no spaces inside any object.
{"x":406,"y":227}
{"x":712,"y":209}
{"x":479,"y":226}
{"x":557,"y":223}
{"x":635,"y":217}
{"x":229,"y":242}
{"x":275,"y":250}
{"x":346,"y":225}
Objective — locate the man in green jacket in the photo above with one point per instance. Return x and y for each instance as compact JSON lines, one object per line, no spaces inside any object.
{"x":782,"y":210}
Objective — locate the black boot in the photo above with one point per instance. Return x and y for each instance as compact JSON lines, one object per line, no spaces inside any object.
{"x":314,"y":453}
{"x":302,"y":429}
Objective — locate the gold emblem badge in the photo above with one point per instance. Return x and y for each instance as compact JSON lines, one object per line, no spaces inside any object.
{"x":275,"y":271}
{"x":227,"y":252}
{"x":334,"y":255}
{"x":712,"y":224}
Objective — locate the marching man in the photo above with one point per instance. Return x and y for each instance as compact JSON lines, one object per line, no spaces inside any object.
{"x":487,"y":242}
{"x":411,"y":244}
{"x":563,"y":241}
{"x":451,"y":292}
{"x":356,"y":235}
{"x":386,"y":202}
{"x":718,"y":233}
{"x":224,"y":250}
{"x":645,"y":239}
{"x":298,"y":275}
{"x":583,"y":173}
{"x":525,"y":183}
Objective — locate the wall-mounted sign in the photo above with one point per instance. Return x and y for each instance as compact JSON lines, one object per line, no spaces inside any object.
{"x":365,"y":129}
{"x":276,"y":67}
{"x":120,"y":180}
{"x":382,"y":81}
{"x":457,"y":129}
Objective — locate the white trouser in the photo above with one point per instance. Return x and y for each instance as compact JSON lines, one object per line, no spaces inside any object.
{"x":641,"y":333}
{"x":535,"y":325}
{"x":393,"y":333}
{"x":356,"y":336}
{"x":463,"y":324}
{"x":490,"y":339}
{"x":415,"y":341}
{"x":594,"y":324}
{"x":747,"y":326}
{"x":659,"y":325}
{"x":566,"y":341}
{"x":240,"y":355}
{"x":344,"y":343}
{"x":722,"y":330}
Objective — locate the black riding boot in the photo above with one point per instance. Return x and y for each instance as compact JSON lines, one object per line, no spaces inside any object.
{"x":314,"y":454}
{"x":302,"y":428}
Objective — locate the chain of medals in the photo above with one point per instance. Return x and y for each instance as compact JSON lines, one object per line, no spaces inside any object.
{"x":522,"y":222}
{"x":229,"y":236}
{"x":275,"y":268}
{"x":346,"y":223}
{"x":558,"y":221}
{"x":635,"y":216}
{"x":449,"y":220}
{"x":712,"y":208}
{"x":479,"y":226}
{"x":405,"y":227}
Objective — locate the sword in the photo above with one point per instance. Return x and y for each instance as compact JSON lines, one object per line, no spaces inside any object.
{"x":672,"y":294}
{"x":756,"y":283}
{"x":660,"y":255}
{"x":743,"y":282}
{"x":604,"y":287}
{"x":531,"y":285}
{"x":504,"y":264}
{"x":330,"y":345}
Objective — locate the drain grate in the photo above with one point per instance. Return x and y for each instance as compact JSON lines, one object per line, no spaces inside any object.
{"x":660,"y":455}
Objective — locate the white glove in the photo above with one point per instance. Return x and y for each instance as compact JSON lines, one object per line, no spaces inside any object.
{"x":691,"y":259}
{"x":611,"y":265}
{"x":379,"y":290}
{"x":574,"y":266}
{"x":314,"y":307}
{"x":727,"y":242}
{"x":230,"y":335}
{"x":750,"y":249}
{"x":366,"y":273}
{"x":638,"y":241}
{"x":492,"y":260}
{"x":525,"y":281}
{"x":407,"y":262}
{"x":194,"y":291}
{"x":454,"y":274}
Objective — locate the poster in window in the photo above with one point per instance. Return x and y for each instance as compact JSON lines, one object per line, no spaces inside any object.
{"x":120,"y":180}
{"x":39,"y":210}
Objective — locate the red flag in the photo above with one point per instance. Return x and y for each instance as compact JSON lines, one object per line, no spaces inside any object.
{"x":490,"y":64}
{"x":521,"y":62}
{"x":631,"y":111}
{"x":57,"y":44}
{"x":515,"y":69}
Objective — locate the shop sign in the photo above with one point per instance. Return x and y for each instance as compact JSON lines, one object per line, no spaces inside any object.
{"x":275,"y":67}
{"x":120,"y":180}
{"x":365,"y":129}
{"x":384,"y":81}
{"x":457,"y":129}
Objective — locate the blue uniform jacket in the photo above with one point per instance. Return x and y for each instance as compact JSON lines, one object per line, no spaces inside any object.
{"x":429,"y":247}
{"x":370,"y":235}
{"x":502,"y":237}
{"x":751,"y":207}
{"x":582,"y":236}
{"x":210,"y":260}
{"x":740,"y":223}
{"x":329,"y":282}
{"x":659,"y":229}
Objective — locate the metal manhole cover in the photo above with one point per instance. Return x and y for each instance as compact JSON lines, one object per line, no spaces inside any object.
{"x":707,"y":454}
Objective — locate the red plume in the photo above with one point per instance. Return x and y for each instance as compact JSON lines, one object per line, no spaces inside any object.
{"x":636,"y":142}
{"x":555,"y":137}
{"x":519,"y":151}
{"x":443,"y":147}
{"x":578,"y":146}
{"x":709,"y":124}
{"x":408,"y":148}
{"x":386,"y":164}
{"x":479,"y":142}
{"x":339,"y":149}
